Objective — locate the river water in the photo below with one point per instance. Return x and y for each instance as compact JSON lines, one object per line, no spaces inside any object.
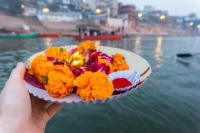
{"x":169,"y":102}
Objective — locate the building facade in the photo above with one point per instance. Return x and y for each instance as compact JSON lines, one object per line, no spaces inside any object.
{"x":128,"y":12}
{"x":59,"y":16}
{"x":100,"y":11}
{"x":113,"y":5}
{"x":77,"y":4}
{"x":97,"y":4}
{"x":115,"y":22}
{"x":149,"y":8}
{"x":67,"y":2}
{"x":102,"y":5}
{"x":92,"y":4}
{"x":125,"y":18}
{"x":30,"y":11}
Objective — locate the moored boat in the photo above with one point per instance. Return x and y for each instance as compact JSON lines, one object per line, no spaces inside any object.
{"x":19,"y":35}
{"x":67,"y":35}
{"x":99,"y":37}
{"x":49,"y":35}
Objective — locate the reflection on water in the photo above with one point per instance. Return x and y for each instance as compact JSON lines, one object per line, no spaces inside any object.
{"x":158,"y":52}
{"x":48,"y":42}
{"x":98,"y":43}
{"x":137,"y":48}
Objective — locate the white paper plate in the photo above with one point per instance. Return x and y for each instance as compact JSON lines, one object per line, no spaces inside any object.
{"x":134,"y":61}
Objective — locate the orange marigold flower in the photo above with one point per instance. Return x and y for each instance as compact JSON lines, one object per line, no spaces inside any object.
{"x":60,"y":81}
{"x":93,"y":86}
{"x":40,"y":68}
{"x":88,"y":45}
{"x":58,"y":53}
{"x":119,"y":63}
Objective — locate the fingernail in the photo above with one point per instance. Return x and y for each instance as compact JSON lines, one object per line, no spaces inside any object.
{"x":19,"y":64}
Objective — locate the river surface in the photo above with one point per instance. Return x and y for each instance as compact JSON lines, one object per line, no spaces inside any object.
{"x":169,"y":102}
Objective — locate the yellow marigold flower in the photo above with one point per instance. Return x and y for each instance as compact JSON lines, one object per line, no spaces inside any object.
{"x":103,"y":61}
{"x":40,"y":68}
{"x":119,"y":63}
{"x":60,"y":81}
{"x":88,"y":45}
{"x":93,"y":86}
{"x":57,"y":53}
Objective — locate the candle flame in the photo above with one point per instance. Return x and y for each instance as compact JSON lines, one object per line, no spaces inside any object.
{"x":77,"y":60}
{"x":76,"y":54}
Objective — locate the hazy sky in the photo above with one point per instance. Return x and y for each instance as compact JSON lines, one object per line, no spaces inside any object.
{"x":174,"y":7}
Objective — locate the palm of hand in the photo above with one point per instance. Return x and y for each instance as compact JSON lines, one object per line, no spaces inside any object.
{"x":26,"y":112}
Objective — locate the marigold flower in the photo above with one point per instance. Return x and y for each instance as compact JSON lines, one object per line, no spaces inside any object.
{"x":60,"y":81}
{"x":119,"y":63}
{"x":93,"y":86}
{"x":40,"y":68}
{"x":88,"y":45}
{"x":57,"y":53}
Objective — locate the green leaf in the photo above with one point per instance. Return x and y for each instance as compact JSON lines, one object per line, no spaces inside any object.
{"x":46,"y":78}
{"x":61,"y":49}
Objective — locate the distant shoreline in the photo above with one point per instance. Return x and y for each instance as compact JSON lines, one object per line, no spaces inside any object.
{"x":13,"y":23}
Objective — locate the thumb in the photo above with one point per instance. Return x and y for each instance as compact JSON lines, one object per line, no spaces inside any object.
{"x":18,"y":72}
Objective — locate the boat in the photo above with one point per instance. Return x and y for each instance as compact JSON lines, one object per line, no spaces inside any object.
{"x":100,"y":37}
{"x":19,"y":35}
{"x":49,"y":35}
{"x":67,"y":35}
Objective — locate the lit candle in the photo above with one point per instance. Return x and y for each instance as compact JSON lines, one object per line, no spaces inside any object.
{"x":77,"y":60}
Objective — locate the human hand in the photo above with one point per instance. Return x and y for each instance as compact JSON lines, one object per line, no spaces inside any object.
{"x":21,"y":112}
